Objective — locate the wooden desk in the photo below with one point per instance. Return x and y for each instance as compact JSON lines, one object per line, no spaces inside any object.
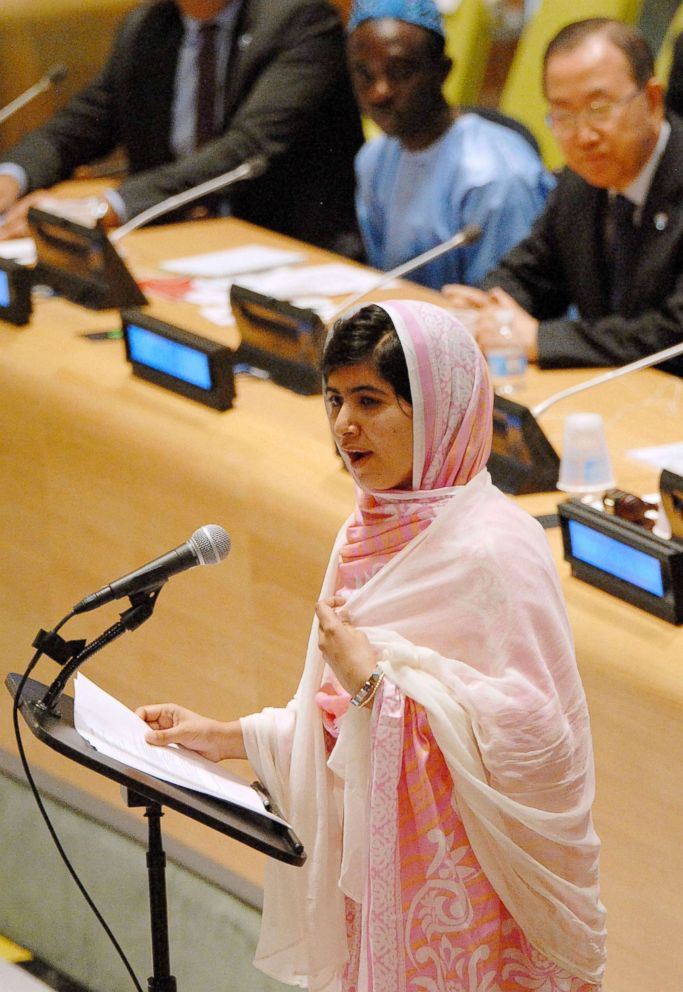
{"x":101,"y":472}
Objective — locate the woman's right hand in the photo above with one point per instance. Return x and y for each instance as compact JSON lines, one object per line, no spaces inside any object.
{"x":173,"y":724}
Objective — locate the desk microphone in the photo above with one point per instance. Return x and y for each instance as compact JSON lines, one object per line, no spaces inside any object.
{"x":641,"y":363}
{"x":53,"y":76}
{"x":523,"y":459}
{"x":467,"y":236}
{"x":209,"y":545}
{"x":251,"y":169}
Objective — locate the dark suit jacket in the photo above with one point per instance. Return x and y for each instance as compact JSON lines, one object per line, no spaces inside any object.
{"x":562,"y":263}
{"x":287,"y":97}
{"x":674,"y":87}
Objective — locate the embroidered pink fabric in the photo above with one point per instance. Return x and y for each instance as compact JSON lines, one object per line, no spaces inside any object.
{"x":453,"y":927}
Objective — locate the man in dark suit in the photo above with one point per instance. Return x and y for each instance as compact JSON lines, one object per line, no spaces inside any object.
{"x":282,"y":92}
{"x":599,"y":280}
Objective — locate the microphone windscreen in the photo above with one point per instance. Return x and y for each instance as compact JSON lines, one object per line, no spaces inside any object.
{"x":211,"y":544}
{"x":257,"y":166}
{"x":471,"y":234}
{"x":57,"y":74}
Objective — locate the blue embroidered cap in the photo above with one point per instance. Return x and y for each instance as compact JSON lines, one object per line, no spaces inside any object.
{"x":424,"y":13}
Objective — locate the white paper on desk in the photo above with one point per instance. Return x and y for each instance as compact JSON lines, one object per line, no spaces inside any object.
{"x":21,"y":250}
{"x":117,"y":732}
{"x":232,"y":261}
{"x":661,"y":456}
{"x":333,"y":279}
{"x":212,"y":296}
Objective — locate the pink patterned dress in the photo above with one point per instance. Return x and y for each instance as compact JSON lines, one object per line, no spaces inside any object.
{"x":455,"y":934}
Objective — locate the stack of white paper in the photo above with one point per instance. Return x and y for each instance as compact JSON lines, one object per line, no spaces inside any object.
{"x":21,"y":250}
{"x":232,"y":261}
{"x":117,"y":732}
{"x":661,"y":456}
{"x":331,"y":279}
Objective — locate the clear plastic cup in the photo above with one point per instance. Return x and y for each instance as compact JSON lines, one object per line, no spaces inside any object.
{"x":585,"y":464}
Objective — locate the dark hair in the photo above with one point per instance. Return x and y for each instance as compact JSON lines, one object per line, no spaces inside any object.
{"x":368,"y":336}
{"x":435,"y":45}
{"x":626,"y":38}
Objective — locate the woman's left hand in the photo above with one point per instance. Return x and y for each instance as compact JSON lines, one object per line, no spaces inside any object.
{"x":346,"y":650}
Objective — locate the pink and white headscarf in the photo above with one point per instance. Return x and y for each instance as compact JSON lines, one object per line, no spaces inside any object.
{"x":452,"y":404}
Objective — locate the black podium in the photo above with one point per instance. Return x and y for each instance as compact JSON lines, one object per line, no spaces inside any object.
{"x":273,"y":837}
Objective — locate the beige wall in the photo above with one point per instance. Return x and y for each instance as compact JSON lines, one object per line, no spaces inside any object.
{"x":37,"y":34}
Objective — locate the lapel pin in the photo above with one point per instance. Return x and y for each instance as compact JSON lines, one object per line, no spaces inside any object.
{"x":245,"y":40}
{"x":661,"y":220}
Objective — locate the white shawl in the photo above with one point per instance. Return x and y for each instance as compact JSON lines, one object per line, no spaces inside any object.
{"x":470,"y":623}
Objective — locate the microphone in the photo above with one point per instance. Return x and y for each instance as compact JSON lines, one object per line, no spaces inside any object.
{"x":251,"y":169}
{"x":208,"y":546}
{"x":467,"y":236}
{"x":523,"y":460}
{"x":52,"y":77}
{"x":641,"y":363}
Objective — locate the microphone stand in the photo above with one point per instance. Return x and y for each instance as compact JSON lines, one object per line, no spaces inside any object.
{"x":252,"y":168}
{"x":641,"y":363}
{"x":55,"y":75}
{"x":467,"y":236}
{"x":141,"y":609}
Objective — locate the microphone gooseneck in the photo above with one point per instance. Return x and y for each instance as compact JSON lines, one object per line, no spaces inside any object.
{"x":467,"y":236}
{"x":656,"y":358}
{"x":52,"y":77}
{"x":251,"y":169}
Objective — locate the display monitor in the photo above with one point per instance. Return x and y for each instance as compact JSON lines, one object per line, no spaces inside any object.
{"x":624,"y":559}
{"x":179,"y":360}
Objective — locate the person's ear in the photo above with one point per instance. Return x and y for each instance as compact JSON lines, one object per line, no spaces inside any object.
{"x":445,"y":67}
{"x":654,"y":93}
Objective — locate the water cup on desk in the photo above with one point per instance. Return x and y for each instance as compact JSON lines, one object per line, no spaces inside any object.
{"x":585,"y":465}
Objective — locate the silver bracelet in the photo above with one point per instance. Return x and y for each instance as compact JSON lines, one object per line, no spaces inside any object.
{"x":368,"y":689}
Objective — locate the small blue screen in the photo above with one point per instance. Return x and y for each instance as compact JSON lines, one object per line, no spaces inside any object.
{"x":611,"y":556}
{"x":171,"y":357}
{"x":4,"y":289}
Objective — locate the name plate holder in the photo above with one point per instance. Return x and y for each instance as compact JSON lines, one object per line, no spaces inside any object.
{"x":283,"y":340}
{"x":522,"y":459}
{"x":624,"y":559}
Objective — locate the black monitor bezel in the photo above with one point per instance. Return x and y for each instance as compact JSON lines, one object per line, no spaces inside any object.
{"x":669,"y":554}
{"x":220,"y":358}
{"x":20,"y":281}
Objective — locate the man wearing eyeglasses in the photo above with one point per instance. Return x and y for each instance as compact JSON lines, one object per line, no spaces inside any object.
{"x":599,"y":280}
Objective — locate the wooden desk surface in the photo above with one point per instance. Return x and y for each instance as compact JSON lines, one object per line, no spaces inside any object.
{"x":102,"y":472}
